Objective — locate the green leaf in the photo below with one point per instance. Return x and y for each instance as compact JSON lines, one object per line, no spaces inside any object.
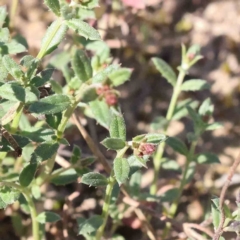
{"x":113,"y":143}
{"x":56,"y":87}
{"x":207,"y":158}
{"x":50,"y":105}
{"x":135,"y":184}
{"x":170,"y":195}
{"x":8,"y":196}
{"x":3,"y":72}
{"x":8,"y":114}
{"x":4,"y":34}
{"x":76,"y":154}
{"x":181,"y":108}
{"x":45,"y":151}
{"x":65,"y":177}
{"x":90,"y":225}
{"x":42,"y":78}
{"x":27,"y":174}
{"x":87,"y":161}
{"x":54,"y":6}
{"x":37,"y":134}
{"x":199,"y":125}
{"x":48,"y":217}
{"x":36,"y":191}
{"x":171,"y":165}
{"x":15,"y":92}
{"x":82,"y":66}
{"x":216,"y":215}
{"x":90,"y":4}
{"x":206,"y":108}
{"x":177,"y":145}
{"x":54,"y":35}
{"x":117,"y":127}
{"x":159,"y":123}
{"x":136,"y":163}
{"x":94,"y":179}
{"x":155,"y":138}
{"x":13,"y":48}
{"x":3,"y":15}
{"x":121,"y":169}
{"x":83,"y":29}
{"x":102,"y":76}
{"x":165,"y":70}
{"x":89,"y":93}
{"x":27,"y":61}
{"x":213,"y":126}
{"x":101,"y":112}
{"x":53,"y":120}
{"x":12,"y":67}
{"x":85,"y":14}
{"x":195,"y":85}
{"x":120,"y":76}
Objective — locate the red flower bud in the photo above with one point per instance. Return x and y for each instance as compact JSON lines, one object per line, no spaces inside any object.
{"x":147,"y":148}
{"x":111,"y":99}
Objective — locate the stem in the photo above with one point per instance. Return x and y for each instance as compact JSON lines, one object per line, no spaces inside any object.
{"x":107,"y":199}
{"x":158,"y":157}
{"x":33,"y":211}
{"x":16,"y":118}
{"x":174,"y":205}
{"x":14,"y":6}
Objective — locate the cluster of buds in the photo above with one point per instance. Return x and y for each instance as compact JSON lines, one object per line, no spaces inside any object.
{"x":146,"y":149}
{"x":108,"y":94}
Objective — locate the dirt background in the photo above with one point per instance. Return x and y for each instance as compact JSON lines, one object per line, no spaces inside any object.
{"x":135,"y":35}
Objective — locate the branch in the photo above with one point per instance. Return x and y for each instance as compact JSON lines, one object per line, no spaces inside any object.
{"x":231,"y":172}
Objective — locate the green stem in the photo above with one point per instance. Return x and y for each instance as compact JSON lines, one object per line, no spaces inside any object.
{"x":16,"y":119}
{"x":174,"y":205}
{"x":157,"y":161}
{"x":33,"y":211}
{"x":50,"y":38}
{"x":14,"y":6}
{"x":107,"y":199}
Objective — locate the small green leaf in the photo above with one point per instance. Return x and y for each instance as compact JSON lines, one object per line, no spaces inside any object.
{"x":207,"y":158}
{"x":50,"y":105}
{"x":76,"y":154}
{"x":3,"y":72}
{"x":171,"y":165}
{"x":113,"y":143}
{"x":101,"y":112}
{"x":136,"y":163}
{"x":94,"y":179}
{"x":87,"y":161}
{"x":120,"y":76}
{"x":117,"y":127}
{"x":102,"y":76}
{"x":3,"y":15}
{"x":37,"y":134}
{"x":82,"y":66}
{"x":206,"y":108}
{"x":36,"y":191}
{"x":121,"y":169}
{"x":90,"y":225}
{"x":155,"y":138}
{"x":8,"y":196}
{"x":54,"y":35}
{"x":85,"y":14}
{"x":177,"y":145}
{"x":27,"y":61}
{"x":45,"y":150}
{"x":213,"y":126}
{"x":12,"y":67}
{"x":199,"y":125}
{"x":89,"y":94}
{"x":48,"y":217}
{"x":42,"y":78}
{"x":135,"y":184}
{"x":169,"y":195}
{"x":83,"y":29}
{"x":7,"y":115}
{"x":65,"y":177}
{"x":165,"y":70}
{"x":13,"y":48}
{"x":4,"y":34}
{"x":27,"y":174}
{"x":54,"y":6}
{"x":53,"y":120}
{"x":216,"y":215}
{"x":181,"y":108}
{"x":195,"y":85}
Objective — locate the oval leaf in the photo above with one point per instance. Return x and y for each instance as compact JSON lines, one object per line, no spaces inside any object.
{"x":27,"y":174}
{"x":207,"y":158}
{"x":121,"y":169}
{"x":177,"y":145}
{"x":65,"y":177}
{"x":82,"y":66}
{"x":113,"y":143}
{"x":50,"y":105}
{"x":102,"y":76}
{"x":84,"y":29}
{"x":165,"y":70}
{"x":195,"y":85}
{"x":48,"y":217}
{"x":120,"y":76}
{"x":117,"y":127}
{"x":54,"y":6}
{"x":8,"y":196}
{"x":94,"y":179}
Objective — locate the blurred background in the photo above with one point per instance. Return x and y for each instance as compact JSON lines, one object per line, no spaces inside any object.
{"x":137,"y":30}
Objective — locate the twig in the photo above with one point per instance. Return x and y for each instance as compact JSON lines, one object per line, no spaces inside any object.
{"x":102,"y":160}
{"x":187,"y":229}
{"x":231,"y":172}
